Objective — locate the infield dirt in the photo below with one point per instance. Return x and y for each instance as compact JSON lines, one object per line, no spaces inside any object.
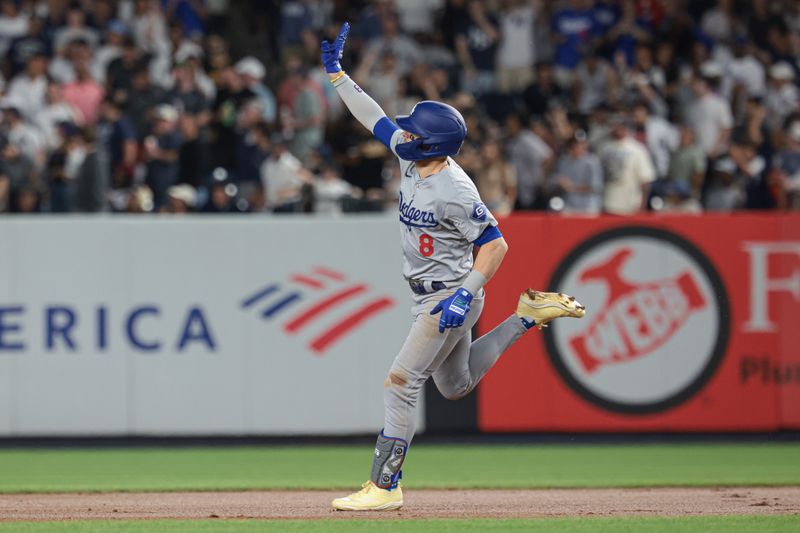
{"x":419,"y":504}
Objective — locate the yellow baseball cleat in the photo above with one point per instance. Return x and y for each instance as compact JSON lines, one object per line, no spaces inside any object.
{"x":542,"y":307}
{"x":370,"y":498}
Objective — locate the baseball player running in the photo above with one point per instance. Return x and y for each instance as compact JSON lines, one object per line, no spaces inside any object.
{"x":441,"y":219}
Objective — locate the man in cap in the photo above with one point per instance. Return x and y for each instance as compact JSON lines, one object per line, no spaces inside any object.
{"x":628,"y":168}
{"x":252,"y":72}
{"x":782,"y":97}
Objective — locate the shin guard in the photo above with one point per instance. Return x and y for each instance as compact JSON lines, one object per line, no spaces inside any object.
{"x":390,"y":452}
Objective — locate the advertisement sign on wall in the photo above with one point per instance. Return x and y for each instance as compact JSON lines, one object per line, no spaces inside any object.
{"x":689,"y":326}
{"x":120,"y":326}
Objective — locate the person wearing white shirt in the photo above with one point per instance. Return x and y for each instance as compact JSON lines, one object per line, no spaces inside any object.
{"x":516,"y":54}
{"x":329,"y":191}
{"x":56,"y":111}
{"x":418,"y":16}
{"x":709,"y":114}
{"x":28,"y":90}
{"x":658,"y":134}
{"x":22,"y":135}
{"x":744,"y":70}
{"x":111,"y":50}
{"x":717,"y":23}
{"x":13,"y":24}
{"x":283,"y":177}
{"x":629,"y":171}
{"x":782,"y":97}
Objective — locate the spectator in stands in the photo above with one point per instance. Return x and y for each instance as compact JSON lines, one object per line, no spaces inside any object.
{"x":29,"y":88}
{"x":13,"y":24}
{"x":383,"y":82}
{"x":717,"y":23}
{"x":578,"y":177}
{"x":252,"y":72}
{"x":746,"y":77}
{"x":725,"y":192}
{"x":62,"y":167}
{"x":84,"y":93}
{"x":688,"y":164}
{"x":121,"y":71}
{"x":629,"y":30}
{"x":496,"y":180}
{"x":92,"y":178}
{"x":190,"y":13}
{"x":117,"y":138}
{"x":76,"y":28}
{"x":516,"y":52}
{"x":659,"y":136}
{"x":737,"y":178}
{"x":530,"y":158}
{"x":26,"y":199}
{"x":782,"y":97}
{"x":330,"y":190}
{"x":160,"y":151}
{"x":727,"y":70}
{"x":252,"y":149}
{"x":543,"y":92}
{"x":708,"y":113}
{"x":16,"y":173}
{"x":305,"y":114}
{"x":676,"y":197}
{"x":150,"y":27}
{"x":27,"y":46}
{"x":181,"y":199}
{"x":476,"y":47}
{"x":595,"y":83}
{"x":407,"y":52}
{"x":139,"y":101}
{"x":221,"y":198}
{"x":628,"y":170}
{"x":283,"y":177}
{"x":56,"y":111}
{"x":23,"y":135}
{"x":786,"y":165}
{"x":573,"y":28}
{"x":111,"y":49}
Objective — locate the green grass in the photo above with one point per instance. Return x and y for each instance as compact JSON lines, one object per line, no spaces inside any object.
{"x":705,"y":524}
{"x":428,"y":466}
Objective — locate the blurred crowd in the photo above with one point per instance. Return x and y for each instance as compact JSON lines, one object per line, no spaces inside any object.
{"x":574,"y":106}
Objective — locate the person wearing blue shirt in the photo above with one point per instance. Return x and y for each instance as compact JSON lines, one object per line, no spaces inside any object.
{"x":572,"y":28}
{"x":190,"y":13}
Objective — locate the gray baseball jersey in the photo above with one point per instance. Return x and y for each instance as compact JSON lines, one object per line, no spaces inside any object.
{"x":440,"y":217}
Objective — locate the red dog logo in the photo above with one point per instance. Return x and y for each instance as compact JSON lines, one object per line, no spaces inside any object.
{"x":636,"y":319}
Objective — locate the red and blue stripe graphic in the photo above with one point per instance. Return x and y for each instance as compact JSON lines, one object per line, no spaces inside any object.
{"x":326,"y":291}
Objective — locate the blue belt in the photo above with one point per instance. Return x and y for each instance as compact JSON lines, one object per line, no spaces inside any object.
{"x":421,"y":286}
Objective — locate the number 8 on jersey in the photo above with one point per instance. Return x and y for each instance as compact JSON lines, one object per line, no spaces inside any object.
{"x":426,"y":245}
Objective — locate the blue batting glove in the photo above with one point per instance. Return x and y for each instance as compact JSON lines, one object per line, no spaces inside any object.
{"x":332,"y":53}
{"x":454,"y":309}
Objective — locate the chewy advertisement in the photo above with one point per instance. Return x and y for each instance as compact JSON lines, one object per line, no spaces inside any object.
{"x":691,"y":325}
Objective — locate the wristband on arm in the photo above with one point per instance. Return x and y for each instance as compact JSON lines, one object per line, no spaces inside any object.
{"x":474,"y":282}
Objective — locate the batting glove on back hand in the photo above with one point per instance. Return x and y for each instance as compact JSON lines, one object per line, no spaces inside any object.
{"x":332,"y":53}
{"x":454,"y":309}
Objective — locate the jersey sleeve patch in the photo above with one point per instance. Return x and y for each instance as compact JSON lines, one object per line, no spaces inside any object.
{"x":479,"y":212}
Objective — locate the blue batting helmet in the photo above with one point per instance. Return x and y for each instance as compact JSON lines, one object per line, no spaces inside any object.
{"x":440,"y":129}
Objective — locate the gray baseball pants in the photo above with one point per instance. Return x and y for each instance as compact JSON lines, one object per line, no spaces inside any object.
{"x":456,"y":362}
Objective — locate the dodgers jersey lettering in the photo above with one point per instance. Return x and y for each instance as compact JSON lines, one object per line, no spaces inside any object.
{"x":440,"y":217}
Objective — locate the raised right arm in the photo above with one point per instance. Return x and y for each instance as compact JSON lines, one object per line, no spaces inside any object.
{"x":363,"y":108}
